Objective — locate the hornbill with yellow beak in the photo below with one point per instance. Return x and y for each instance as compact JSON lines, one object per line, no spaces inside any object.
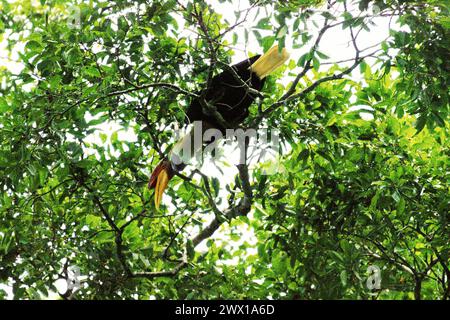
{"x":230,"y":97}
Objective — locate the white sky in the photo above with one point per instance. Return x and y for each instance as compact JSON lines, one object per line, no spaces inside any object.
{"x":335,"y":43}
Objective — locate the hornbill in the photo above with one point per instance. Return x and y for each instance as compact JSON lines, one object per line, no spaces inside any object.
{"x":231,"y":97}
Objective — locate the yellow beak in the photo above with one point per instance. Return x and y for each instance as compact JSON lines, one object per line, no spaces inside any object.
{"x":269,"y":62}
{"x":160,"y":179}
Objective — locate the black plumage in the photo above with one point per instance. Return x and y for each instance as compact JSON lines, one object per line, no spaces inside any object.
{"x":228,"y":95}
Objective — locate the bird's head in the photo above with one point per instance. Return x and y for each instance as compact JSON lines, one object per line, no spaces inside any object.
{"x":160,"y":179}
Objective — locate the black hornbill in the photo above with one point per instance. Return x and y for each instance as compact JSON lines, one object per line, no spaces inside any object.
{"x":230,"y":97}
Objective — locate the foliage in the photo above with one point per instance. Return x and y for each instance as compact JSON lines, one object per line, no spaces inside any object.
{"x":365,"y":163}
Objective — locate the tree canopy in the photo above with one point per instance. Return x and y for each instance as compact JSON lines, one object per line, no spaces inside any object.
{"x":90,"y":95}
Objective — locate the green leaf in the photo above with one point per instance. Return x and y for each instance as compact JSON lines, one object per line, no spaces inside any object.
{"x":103,"y":137}
{"x":92,"y":72}
{"x":3,"y":105}
{"x":123,"y":24}
{"x":302,"y":60}
{"x":420,"y":123}
{"x":401,"y":206}
{"x":114,"y":137}
{"x":93,"y":221}
{"x":264,"y":24}
{"x":258,"y":37}
{"x":303,"y":156}
{"x":279,"y":263}
{"x":33,"y":46}
{"x":282,"y":32}
{"x":267,"y":43}
{"x":316,"y":63}
{"x":296,"y":24}
{"x":216,"y":185}
{"x":322,"y":55}
{"x":190,"y":249}
{"x":343,"y":276}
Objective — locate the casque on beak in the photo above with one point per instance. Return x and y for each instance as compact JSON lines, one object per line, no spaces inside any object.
{"x":160,"y":179}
